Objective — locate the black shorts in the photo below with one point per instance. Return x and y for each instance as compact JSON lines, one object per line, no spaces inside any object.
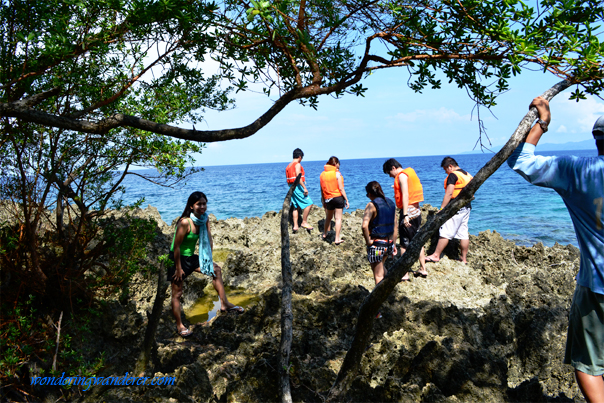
{"x":188,"y":264}
{"x":336,"y":202}
{"x":405,"y":233}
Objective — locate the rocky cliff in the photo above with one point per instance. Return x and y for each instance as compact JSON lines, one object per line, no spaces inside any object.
{"x":492,"y":330}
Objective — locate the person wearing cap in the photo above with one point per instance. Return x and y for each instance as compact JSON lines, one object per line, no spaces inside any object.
{"x":300,"y":198}
{"x":580,"y":183}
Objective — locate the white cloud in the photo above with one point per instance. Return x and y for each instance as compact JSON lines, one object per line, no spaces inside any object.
{"x":578,"y":116}
{"x":562,"y":129}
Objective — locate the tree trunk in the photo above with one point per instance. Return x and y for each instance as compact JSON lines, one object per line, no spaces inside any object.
{"x":287,"y":316}
{"x":372,"y":303}
{"x":160,"y":296}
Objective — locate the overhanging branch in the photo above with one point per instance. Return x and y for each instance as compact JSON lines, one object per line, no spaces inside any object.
{"x":16,"y":110}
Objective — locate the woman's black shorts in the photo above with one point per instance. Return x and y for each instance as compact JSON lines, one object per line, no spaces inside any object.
{"x":336,"y":202}
{"x":188,"y":264}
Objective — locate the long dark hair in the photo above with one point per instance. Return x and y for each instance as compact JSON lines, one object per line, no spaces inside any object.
{"x":194,"y":198}
{"x":375,"y":189}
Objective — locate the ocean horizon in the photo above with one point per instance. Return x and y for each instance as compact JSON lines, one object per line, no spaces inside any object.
{"x":505,"y":203}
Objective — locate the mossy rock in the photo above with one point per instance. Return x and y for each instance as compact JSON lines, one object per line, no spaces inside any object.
{"x":220,"y":255}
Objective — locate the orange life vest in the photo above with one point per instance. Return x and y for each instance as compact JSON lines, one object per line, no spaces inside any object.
{"x":329,"y":182}
{"x":414,"y":186}
{"x":462,"y":181}
{"x":290,"y":172}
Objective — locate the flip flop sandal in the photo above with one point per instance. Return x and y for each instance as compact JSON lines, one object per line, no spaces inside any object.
{"x":185,"y":333}
{"x":236,"y":309}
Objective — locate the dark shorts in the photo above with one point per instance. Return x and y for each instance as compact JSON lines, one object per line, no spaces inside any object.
{"x":585,"y":339}
{"x":188,"y":263}
{"x":379,"y":251}
{"x":336,"y":202}
{"x":405,"y":233}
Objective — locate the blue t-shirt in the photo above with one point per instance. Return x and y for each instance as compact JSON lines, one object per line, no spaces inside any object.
{"x":580,"y":183}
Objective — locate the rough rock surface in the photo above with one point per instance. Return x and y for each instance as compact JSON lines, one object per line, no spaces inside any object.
{"x":492,"y":330}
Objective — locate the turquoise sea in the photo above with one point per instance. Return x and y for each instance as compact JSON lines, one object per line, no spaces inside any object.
{"x":506,"y":203}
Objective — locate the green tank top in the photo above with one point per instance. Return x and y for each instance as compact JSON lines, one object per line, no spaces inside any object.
{"x":187,"y":247}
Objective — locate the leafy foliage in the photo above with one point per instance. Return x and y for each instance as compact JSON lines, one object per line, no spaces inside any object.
{"x":142,"y":62}
{"x":99,"y":261}
{"x":314,"y":47}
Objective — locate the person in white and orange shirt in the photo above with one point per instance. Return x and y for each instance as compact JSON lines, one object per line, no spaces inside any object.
{"x":300,"y":198}
{"x":456,"y":226}
{"x":408,"y":192}
{"x":333,"y":196}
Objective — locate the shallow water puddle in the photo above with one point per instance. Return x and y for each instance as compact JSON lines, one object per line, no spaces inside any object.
{"x":206,"y":307}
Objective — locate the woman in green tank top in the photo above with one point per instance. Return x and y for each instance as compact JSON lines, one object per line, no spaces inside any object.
{"x":194,"y":226}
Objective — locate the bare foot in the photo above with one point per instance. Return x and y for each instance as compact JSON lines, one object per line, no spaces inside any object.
{"x":421,"y":273}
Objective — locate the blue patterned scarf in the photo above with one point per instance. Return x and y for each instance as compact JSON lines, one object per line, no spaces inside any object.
{"x":206,"y":264}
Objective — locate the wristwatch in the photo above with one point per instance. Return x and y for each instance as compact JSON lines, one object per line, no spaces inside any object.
{"x":543,"y":125}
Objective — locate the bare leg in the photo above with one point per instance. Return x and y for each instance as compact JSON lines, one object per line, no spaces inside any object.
{"x":219,"y":287}
{"x":401,"y":252}
{"x":327,"y":225}
{"x":295,"y":218}
{"x":176,"y":294}
{"x":422,"y":262}
{"x":465,"y":245}
{"x":338,"y":224}
{"x":305,"y":216}
{"x":440,"y":246}
{"x":591,"y":386}
{"x":378,"y":271}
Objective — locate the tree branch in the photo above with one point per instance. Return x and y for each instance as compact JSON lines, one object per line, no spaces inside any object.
{"x":287,"y":316}
{"x":120,"y":120}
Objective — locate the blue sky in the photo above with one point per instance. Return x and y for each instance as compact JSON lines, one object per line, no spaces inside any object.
{"x":392,"y":121}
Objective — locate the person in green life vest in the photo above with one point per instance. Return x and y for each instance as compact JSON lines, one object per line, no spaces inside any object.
{"x":193,"y":225}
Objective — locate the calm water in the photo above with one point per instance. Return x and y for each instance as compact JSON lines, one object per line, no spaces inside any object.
{"x":506,"y":203}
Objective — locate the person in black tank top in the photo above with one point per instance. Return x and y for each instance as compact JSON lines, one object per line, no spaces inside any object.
{"x":379,"y":229}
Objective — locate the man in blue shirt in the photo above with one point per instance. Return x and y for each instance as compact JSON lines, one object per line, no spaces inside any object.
{"x":580,"y":183}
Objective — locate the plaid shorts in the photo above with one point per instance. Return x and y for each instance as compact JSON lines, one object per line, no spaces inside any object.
{"x":379,"y":250}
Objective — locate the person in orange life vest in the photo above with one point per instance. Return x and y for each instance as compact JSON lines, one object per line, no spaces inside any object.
{"x":456,"y":226}
{"x":379,"y":229}
{"x":333,"y":196}
{"x":300,"y":198}
{"x":408,"y":192}
{"x":194,"y":226}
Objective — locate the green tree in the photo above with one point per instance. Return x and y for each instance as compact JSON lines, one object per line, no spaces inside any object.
{"x":83,"y":61}
{"x":86,"y":60}
{"x":298,"y":49}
